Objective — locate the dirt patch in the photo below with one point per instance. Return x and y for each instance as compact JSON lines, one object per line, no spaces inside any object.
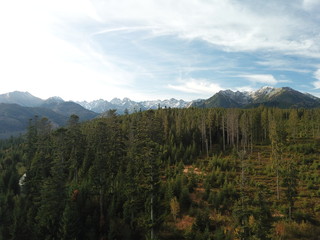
{"x":185,"y":222}
{"x":191,"y":169}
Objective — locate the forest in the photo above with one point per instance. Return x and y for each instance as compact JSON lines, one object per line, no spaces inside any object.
{"x":191,"y":173}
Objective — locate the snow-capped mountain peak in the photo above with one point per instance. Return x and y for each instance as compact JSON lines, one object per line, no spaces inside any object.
{"x":54,"y":99}
{"x":284,"y":97}
{"x":262,"y":92}
{"x":116,"y":101}
{"x":127,"y":104}
{"x":237,"y":96}
{"x":21,"y":98}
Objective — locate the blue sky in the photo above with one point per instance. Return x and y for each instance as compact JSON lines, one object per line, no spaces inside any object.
{"x":151,"y":49}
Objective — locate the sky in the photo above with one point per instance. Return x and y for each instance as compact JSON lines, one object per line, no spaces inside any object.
{"x":157,"y":49}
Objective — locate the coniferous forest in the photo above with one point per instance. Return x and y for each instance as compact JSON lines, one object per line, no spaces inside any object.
{"x":165,"y":174}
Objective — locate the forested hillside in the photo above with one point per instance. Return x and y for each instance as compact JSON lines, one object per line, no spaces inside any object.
{"x":165,"y":174}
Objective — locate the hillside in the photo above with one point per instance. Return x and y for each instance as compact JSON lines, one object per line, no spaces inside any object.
{"x":284,"y":97}
{"x":166,"y":174}
{"x":17,"y":108}
{"x":68,"y":108}
{"x":14,"y":119}
{"x":15,"y":124}
{"x":24,"y":99}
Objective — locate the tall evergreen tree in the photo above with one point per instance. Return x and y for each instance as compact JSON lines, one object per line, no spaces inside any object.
{"x":290,"y":183}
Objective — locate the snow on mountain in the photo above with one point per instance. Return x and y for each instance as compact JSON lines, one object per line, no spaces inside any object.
{"x":21,"y":98}
{"x":173,"y":103}
{"x":240,"y":97}
{"x":126,"y":104}
{"x":54,"y":99}
{"x":97,"y":106}
{"x":224,"y":98}
{"x":284,"y":97}
{"x":117,"y":101}
{"x":262,"y":92}
{"x":311,"y":96}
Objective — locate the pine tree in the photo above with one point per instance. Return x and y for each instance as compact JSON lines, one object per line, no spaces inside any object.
{"x":76,"y":143}
{"x":70,"y":228}
{"x":290,"y":183}
{"x":51,"y":207}
{"x":99,"y":172}
{"x":262,"y":214}
{"x":175,"y":208}
{"x":277,"y":135}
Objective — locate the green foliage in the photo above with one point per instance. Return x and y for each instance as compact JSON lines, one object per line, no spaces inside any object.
{"x":115,"y":177}
{"x":290,"y":183}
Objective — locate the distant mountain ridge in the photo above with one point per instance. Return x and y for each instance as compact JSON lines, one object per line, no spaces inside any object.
{"x":126,"y":104}
{"x":16,"y":108}
{"x":284,"y":97}
{"x":56,"y":104}
{"x":24,"y":99}
{"x":14,"y":119}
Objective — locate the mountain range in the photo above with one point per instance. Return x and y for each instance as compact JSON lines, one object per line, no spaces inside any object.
{"x":127,"y":105}
{"x":284,"y":97}
{"x":17,"y":108}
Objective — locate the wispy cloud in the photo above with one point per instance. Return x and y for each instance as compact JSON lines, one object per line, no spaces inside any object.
{"x":311,"y":5}
{"x":316,"y":75}
{"x":261,"y":78}
{"x":235,"y":26}
{"x":245,"y":89}
{"x":112,"y":48}
{"x":284,"y":81}
{"x":199,"y":86}
{"x":41,"y":47}
{"x":283,"y":64}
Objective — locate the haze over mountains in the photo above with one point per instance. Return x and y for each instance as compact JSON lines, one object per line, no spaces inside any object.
{"x":17,"y":108}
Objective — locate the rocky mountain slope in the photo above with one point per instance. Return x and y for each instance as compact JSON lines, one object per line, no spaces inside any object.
{"x":127,"y":105}
{"x":14,"y":119}
{"x":16,"y":108}
{"x":24,"y":99}
{"x":284,"y":97}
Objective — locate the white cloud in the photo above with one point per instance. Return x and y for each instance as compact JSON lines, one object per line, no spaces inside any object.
{"x":198,"y":86}
{"x":316,"y":75}
{"x":37,"y":54}
{"x":261,"y":78}
{"x":311,"y":5}
{"x":284,"y":64}
{"x":54,"y":66}
{"x":316,"y":84}
{"x":235,"y":26}
{"x":245,"y":89}
{"x":274,"y":63}
{"x":284,"y":81}
{"x":50,"y":46}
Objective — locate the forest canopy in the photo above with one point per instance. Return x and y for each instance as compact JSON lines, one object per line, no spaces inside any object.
{"x":165,"y":174}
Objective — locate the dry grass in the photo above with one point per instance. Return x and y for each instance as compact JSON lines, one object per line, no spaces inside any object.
{"x":185,"y":223}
